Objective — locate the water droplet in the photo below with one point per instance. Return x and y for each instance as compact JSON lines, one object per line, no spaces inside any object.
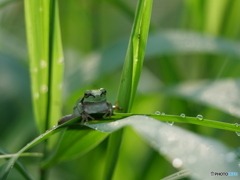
{"x":157,"y":112}
{"x":35,"y":70}
{"x":36,"y":95}
{"x":43,"y":64}
{"x":177,"y":163}
{"x":236,"y":124}
{"x":44,"y":88}
{"x":238,"y":133}
{"x":163,"y":113}
{"x":183,"y":115}
{"x":200,"y":117}
{"x":61,"y":60}
{"x":60,"y":86}
{"x":114,"y":123}
{"x":170,"y":123}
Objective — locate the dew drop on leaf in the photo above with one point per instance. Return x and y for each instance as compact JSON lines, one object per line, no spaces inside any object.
{"x":36,"y":95}
{"x":200,"y":117}
{"x":157,"y":112}
{"x":183,"y":115}
{"x":163,"y":113}
{"x":177,"y":163}
{"x":43,"y":64}
{"x":44,"y":88}
{"x":170,"y":122}
{"x":238,"y":133}
{"x":236,"y":124}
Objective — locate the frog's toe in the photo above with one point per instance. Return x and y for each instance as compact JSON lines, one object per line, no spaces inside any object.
{"x":85,"y":117}
{"x":108,"y":114}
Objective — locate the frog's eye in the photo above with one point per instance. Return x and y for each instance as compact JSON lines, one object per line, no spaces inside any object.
{"x":104,"y":92}
{"x":86,"y":95}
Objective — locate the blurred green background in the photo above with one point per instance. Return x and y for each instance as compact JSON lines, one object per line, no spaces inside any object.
{"x":94,"y":38}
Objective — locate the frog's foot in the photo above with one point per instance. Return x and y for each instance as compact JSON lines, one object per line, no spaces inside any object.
{"x":85,"y":117}
{"x":108,"y":113}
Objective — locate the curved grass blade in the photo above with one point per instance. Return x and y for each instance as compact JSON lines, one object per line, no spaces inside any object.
{"x":5,"y":168}
{"x":184,"y":149}
{"x":181,"y":119}
{"x":76,"y":141}
{"x":19,"y":166}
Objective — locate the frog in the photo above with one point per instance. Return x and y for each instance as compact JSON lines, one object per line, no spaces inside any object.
{"x":92,"y":102}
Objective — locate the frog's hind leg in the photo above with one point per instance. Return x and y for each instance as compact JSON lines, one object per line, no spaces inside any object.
{"x":65,"y":119}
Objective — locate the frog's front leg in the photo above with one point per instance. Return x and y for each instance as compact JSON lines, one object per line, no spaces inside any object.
{"x":109,"y":111}
{"x":85,"y":117}
{"x":79,"y":111}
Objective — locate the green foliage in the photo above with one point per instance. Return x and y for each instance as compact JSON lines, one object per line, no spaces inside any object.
{"x":46,"y":60}
{"x":192,"y":69}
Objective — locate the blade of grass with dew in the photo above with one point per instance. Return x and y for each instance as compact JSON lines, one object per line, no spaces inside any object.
{"x":75,"y":143}
{"x":130,"y":77}
{"x":113,"y":126}
{"x":45,"y":53}
{"x":173,"y":142}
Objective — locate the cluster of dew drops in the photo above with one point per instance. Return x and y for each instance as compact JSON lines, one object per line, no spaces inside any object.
{"x":199,"y":117}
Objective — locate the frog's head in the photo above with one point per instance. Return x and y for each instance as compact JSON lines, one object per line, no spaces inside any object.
{"x":95,"y":95}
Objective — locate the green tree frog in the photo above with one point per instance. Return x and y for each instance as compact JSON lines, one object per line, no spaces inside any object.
{"x":93,"y":101}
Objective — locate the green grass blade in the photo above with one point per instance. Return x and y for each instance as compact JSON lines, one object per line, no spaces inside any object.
{"x":130,"y":77}
{"x":56,"y":75}
{"x":18,"y":166}
{"x":45,"y":53}
{"x":135,"y":55}
{"x":5,"y":168}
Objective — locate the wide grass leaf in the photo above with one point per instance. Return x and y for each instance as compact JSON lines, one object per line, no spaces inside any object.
{"x":130,"y":77}
{"x":220,"y":94}
{"x":184,"y":149}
